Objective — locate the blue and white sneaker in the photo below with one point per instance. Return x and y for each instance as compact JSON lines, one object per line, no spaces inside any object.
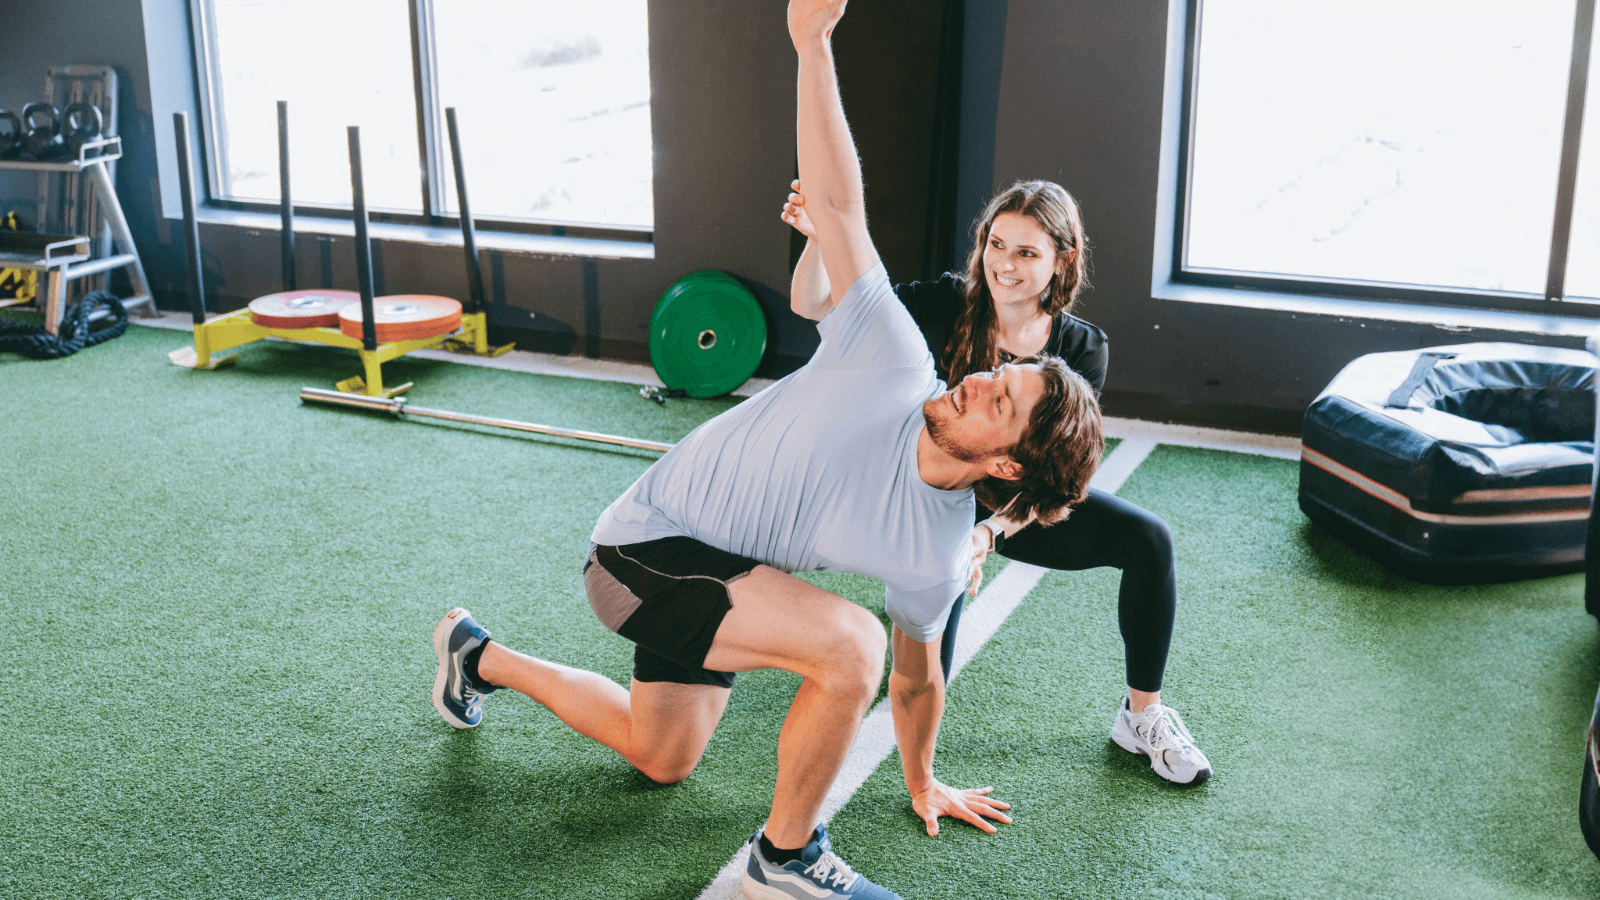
{"x":455,"y":696}
{"x":817,"y":875}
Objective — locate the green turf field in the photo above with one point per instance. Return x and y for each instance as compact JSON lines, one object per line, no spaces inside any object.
{"x":218,"y":664}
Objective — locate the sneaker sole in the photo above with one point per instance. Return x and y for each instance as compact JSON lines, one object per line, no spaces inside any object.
{"x":441,"y":648}
{"x":1129,"y":743}
{"x":755,"y":890}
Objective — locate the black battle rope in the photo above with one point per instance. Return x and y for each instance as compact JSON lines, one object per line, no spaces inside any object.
{"x":75,"y":332}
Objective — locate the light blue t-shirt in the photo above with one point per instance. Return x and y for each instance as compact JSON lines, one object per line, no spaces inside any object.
{"x":819,"y":471}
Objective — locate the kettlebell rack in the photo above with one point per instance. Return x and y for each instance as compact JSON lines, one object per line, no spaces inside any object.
{"x":64,"y":258}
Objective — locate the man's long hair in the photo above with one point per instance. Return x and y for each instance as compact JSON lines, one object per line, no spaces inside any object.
{"x":1058,"y":451}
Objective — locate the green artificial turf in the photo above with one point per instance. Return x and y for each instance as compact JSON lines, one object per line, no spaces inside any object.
{"x":1372,"y":737}
{"x":218,"y":664}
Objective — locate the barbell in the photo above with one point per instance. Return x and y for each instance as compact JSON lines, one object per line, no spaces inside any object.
{"x":399,"y":407}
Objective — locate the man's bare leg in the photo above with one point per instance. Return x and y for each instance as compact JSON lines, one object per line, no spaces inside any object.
{"x":779,"y":621}
{"x":662,"y":729}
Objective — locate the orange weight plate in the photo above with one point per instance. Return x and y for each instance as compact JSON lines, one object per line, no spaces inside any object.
{"x":301,"y":309}
{"x":404,"y":317}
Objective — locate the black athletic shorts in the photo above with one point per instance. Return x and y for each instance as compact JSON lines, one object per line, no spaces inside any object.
{"x":668,"y":596}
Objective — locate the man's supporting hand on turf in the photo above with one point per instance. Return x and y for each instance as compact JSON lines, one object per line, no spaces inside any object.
{"x":916,"y":696}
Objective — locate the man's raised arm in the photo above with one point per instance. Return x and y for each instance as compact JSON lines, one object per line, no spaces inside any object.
{"x":828,"y":163}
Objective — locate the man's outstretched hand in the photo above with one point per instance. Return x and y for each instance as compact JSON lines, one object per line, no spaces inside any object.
{"x":812,"y":20}
{"x":972,"y":806}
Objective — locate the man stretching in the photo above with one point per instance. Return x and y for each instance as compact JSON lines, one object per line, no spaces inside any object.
{"x":860,"y":462}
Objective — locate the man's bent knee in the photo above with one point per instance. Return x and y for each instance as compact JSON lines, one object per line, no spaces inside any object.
{"x":665,"y":771}
{"x":857,"y":647}
{"x":668,"y":774}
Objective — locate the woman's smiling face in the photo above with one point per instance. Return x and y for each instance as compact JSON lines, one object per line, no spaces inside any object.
{"x":1018,"y":259}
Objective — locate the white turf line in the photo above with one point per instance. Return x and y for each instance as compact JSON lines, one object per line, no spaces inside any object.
{"x":978,"y":624}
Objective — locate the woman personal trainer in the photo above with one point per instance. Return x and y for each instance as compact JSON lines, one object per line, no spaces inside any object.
{"x":1014,"y":300}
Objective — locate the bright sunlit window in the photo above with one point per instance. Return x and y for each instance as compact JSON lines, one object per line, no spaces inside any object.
{"x":1414,"y":143}
{"x":552,"y":99}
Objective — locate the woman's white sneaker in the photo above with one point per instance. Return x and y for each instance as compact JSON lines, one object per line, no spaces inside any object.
{"x":1159,"y":733}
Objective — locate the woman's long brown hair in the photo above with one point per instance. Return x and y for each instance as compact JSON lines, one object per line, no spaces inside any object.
{"x":975,"y":345}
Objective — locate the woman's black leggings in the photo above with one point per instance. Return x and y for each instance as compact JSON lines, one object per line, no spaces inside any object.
{"x":1105,"y":530}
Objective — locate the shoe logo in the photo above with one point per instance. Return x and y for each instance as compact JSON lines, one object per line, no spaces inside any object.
{"x":804,"y":884}
{"x":453,"y":614}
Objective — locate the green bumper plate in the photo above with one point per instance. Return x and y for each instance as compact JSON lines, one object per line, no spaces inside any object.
{"x":707,"y":334}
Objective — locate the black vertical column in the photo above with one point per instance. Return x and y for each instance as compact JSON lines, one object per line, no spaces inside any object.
{"x":369,"y":328}
{"x":469,"y":237}
{"x":191,"y":225}
{"x":285,"y":199}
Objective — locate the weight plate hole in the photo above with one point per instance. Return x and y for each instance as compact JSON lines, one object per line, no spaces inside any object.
{"x":708,"y":339}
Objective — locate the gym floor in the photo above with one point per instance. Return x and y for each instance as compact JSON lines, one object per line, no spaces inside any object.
{"x":221,"y":601}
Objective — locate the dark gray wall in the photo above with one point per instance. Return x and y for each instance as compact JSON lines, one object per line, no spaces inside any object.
{"x":888,"y":58}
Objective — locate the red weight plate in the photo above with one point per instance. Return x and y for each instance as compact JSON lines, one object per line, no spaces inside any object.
{"x":404,"y":317}
{"x":301,"y":309}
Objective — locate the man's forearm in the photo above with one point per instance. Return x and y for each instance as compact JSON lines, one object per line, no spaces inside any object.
{"x":830,"y":170}
{"x":808,"y":287}
{"x":829,"y":166}
{"x":918,"y":706}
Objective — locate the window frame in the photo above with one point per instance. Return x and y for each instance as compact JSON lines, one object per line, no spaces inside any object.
{"x":431,"y":143}
{"x":1551,"y":302}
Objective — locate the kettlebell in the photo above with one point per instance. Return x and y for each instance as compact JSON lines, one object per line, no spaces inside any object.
{"x":10,"y":135}
{"x":43,"y":142}
{"x":81,"y":122}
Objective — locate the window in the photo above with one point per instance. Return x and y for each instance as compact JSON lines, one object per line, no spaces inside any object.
{"x":1413,"y":149}
{"x":552,"y":99}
